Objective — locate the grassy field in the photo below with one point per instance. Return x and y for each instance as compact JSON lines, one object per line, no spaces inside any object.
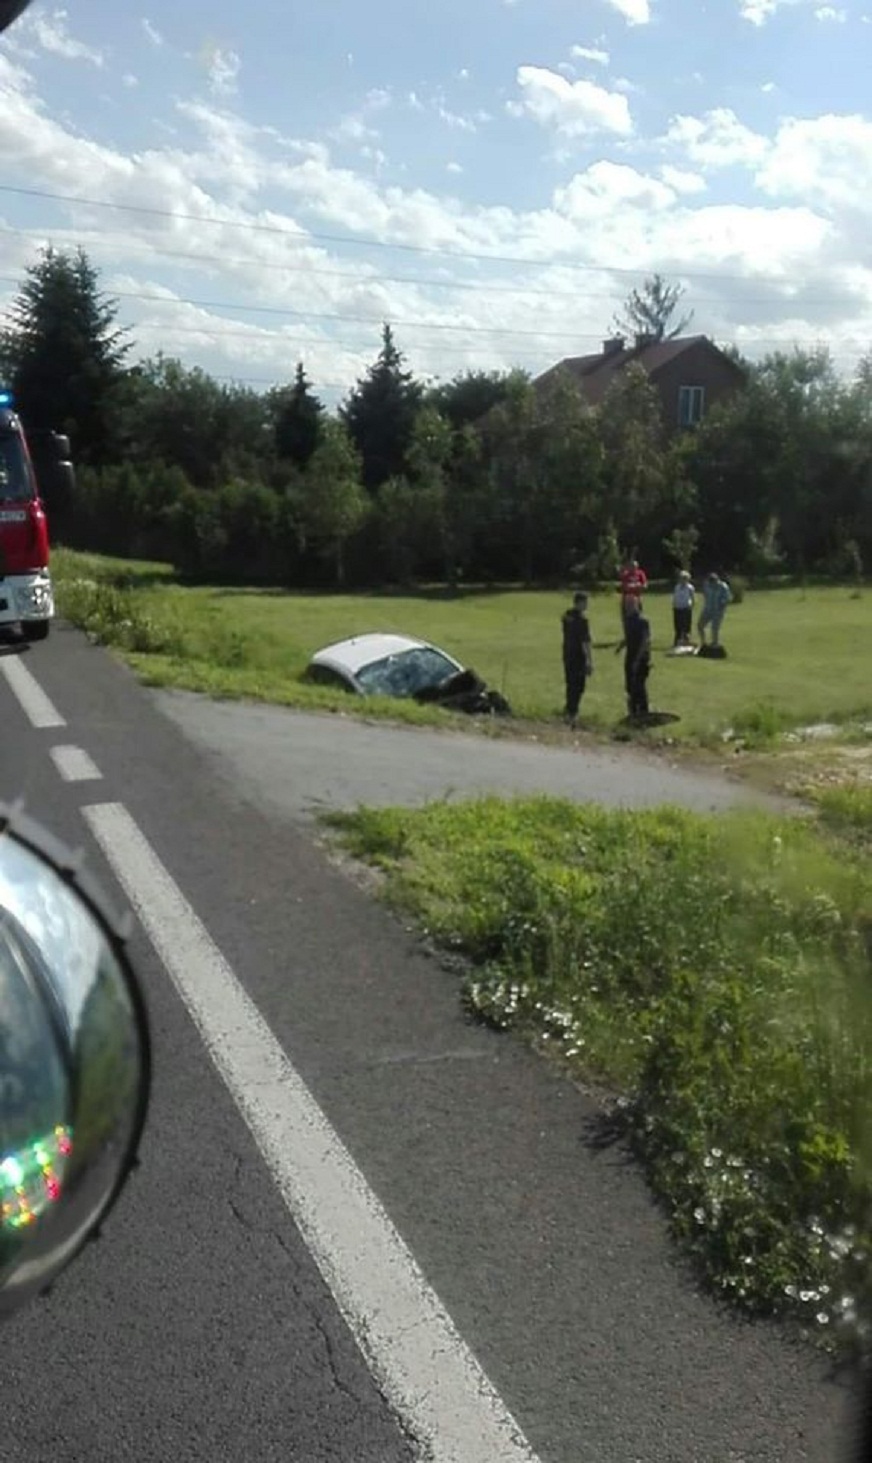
{"x":714,"y":975}
{"x":795,"y":657}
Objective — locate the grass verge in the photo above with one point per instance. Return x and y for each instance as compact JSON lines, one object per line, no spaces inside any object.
{"x":714,"y":974}
{"x":792,"y":658}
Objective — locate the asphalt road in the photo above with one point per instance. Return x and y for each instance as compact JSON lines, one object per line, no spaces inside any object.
{"x":303,"y":764}
{"x":200,"y":1327}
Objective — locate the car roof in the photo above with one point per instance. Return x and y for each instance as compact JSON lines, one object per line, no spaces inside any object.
{"x":350,"y":656}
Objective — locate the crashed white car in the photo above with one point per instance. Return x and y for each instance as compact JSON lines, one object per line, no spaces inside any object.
{"x":381,"y":665}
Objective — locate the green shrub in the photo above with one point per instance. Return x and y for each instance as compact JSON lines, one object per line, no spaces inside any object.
{"x":716,"y":974}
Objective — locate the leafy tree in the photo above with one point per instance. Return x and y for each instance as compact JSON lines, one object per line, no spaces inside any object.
{"x":546,"y":458}
{"x":331,"y":505}
{"x":380,"y":414}
{"x":298,"y":420}
{"x":181,"y":415}
{"x":413,"y":525}
{"x":637,"y":469}
{"x":681,"y":545}
{"x":795,"y":447}
{"x":64,"y":354}
{"x":649,"y":311}
{"x":470,"y":396}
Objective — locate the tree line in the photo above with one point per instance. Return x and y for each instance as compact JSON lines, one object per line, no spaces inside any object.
{"x":483,"y":478}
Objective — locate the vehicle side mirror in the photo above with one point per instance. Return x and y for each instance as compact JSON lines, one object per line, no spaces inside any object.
{"x":74,"y":1060}
{"x":10,"y":10}
{"x":63,"y":483}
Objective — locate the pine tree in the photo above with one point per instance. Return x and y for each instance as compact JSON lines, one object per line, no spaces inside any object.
{"x":299,"y":421}
{"x":380,"y":414}
{"x":649,"y":311}
{"x":63,"y":354}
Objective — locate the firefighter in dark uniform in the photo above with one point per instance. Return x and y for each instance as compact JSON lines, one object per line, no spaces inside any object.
{"x":637,"y":661}
{"x":577,"y":661}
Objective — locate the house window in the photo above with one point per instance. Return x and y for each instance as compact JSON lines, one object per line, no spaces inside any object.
{"x":691,"y":405}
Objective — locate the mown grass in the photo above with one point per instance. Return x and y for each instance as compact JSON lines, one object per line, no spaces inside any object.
{"x":793,"y":655}
{"x":715,"y":974}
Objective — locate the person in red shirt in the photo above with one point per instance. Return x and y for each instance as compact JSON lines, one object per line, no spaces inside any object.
{"x":633,"y":580}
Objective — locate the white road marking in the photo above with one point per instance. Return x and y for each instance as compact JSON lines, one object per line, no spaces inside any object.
{"x":422,"y":1365}
{"x":74,"y":765}
{"x":31,"y":697}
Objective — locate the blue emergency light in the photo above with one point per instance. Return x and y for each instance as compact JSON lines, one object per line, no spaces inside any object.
{"x":6,"y":397}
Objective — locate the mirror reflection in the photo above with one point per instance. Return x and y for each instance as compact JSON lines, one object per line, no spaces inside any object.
{"x":71,"y":1071}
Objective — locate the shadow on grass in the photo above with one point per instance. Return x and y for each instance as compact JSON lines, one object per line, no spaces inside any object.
{"x":607,"y":1130}
{"x":436,"y":594}
{"x":654,"y":718}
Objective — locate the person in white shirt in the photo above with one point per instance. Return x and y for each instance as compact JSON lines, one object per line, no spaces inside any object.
{"x":682,"y":609}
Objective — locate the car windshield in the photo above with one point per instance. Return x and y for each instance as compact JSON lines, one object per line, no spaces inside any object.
{"x":15,"y":479}
{"x":407,"y":672}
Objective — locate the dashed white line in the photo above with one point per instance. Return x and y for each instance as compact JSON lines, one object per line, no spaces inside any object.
{"x":74,"y":764}
{"x":40,"y":711}
{"x":428,"y":1374}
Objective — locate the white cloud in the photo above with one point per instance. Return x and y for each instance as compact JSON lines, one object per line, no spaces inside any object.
{"x":681,"y":180}
{"x":152,"y":32}
{"x":635,"y":12}
{"x":129,"y":80}
{"x":223,"y":67}
{"x":595,"y":54}
{"x":453,"y":168}
{"x":827,"y":160}
{"x":53,"y":35}
{"x":356,"y":126}
{"x":240,"y":207}
{"x":570,"y":108}
{"x":758,"y":12}
{"x":717,"y":140}
{"x":606,"y":186}
{"x":831,"y":12}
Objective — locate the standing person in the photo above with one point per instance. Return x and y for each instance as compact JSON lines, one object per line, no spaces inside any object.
{"x":716,"y":596}
{"x":682,"y":608}
{"x":637,"y":661}
{"x":633,"y":581}
{"x":577,"y":658}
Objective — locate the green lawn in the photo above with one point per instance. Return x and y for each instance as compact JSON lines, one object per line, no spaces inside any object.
{"x":795,"y":657}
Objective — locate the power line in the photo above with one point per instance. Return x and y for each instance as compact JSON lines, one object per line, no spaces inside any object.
{"x":479,"y":286}
{"x":324,"y":315}
{"x":216,"y":336}
{"x":302,"y":236}
{"x":425,"y":282}
{"x":343,"y":319}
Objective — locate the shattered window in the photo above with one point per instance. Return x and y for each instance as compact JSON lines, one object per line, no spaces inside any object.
{"x":406,"y":673}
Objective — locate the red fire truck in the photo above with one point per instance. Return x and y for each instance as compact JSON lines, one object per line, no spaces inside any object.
{"x":28,"y":479}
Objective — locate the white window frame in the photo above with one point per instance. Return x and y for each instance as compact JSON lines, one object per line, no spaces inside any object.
{"x":691,"y":405}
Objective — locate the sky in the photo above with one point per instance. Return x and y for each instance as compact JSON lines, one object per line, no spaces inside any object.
{"x":265,"y":183}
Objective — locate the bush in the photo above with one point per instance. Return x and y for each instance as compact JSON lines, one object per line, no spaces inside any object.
{"x":716,"y":974}
{"x":116,"y":616}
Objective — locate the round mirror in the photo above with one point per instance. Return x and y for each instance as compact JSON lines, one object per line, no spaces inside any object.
{"x":74,"y":1060}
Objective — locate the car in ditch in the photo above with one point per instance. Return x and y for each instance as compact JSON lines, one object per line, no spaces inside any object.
{"x":381,"y":665}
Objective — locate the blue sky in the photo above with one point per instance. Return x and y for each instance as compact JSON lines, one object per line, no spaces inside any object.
{"x":276,"y":179}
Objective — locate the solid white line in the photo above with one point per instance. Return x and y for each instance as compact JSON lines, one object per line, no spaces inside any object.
{"x":31,"y":697}
{"x":422,"y":1365}
{"x":74,"y":765}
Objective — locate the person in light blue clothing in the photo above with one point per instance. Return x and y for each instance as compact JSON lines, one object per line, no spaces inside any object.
{"x":716,"y":596}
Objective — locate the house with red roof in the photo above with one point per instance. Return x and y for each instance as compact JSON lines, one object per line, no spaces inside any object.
{"x":690,"y":373}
